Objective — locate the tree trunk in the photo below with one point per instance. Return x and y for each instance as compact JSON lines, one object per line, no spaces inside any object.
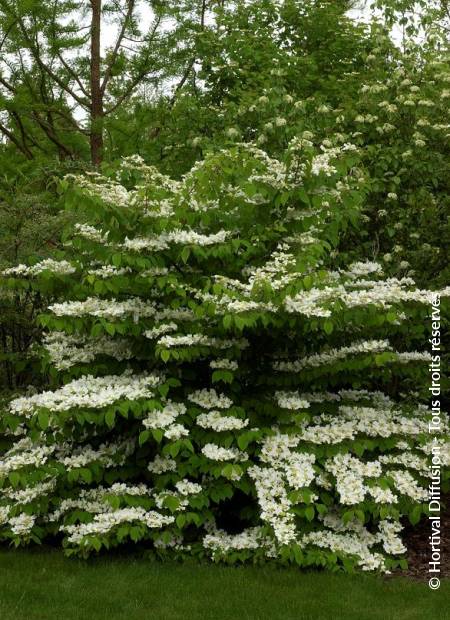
{"x":96,"y":121}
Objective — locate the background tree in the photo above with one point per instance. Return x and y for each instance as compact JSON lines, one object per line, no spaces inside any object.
{"x":58,"y":78}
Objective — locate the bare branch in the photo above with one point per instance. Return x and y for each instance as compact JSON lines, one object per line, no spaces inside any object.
{"x":51,"y":134}
{"x":37,"y":56}
{"x":22,"y":148}
{"x":141,"y":74}
{"x":73,"y":74}
{"x":109,"y":68}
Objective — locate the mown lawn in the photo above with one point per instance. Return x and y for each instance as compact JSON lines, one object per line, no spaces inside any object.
{"x":43,"y":585}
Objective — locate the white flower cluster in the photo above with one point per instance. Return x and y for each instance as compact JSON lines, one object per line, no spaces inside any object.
{"x":178,"y":236}
{"x":165,"y":419}
{"x":223,"y":364}
{"x":175,"y":432}
{"x":105,"y":522}
{"x":159,"y":330}
{"x":217,"y":422}
{"x":372,"y":421}
{"x":186,"y":487}
{"x":299,"y":470}
{"x":392,"y":543}
{"x":107,"y":454}
{"x":383,"y":293}
{"x":89,"y":391}
{"x":361,"y":269}
{"x":407,"y":485}
{"x":22,"y":524}
{"x":162,"y":464}
{"x":408,"y":460}
{"x":333,"y":355}
{"x":350,"y":473}
{"x":4,"y":514}
{"x":291,"y":400}
{"x":95,"y":500}
{"x":276,"y":448}
{"x":209,"y":399}
{"x":105,"y":308}
{"x":279,"y":270}
{"x":29,"y":494}
{"x":23,"y":454}
{"x":351,"y":483}
{"x":107,"y":190}
{"x":108,"y":271}
{"x":91,"y":233}
{"x":62,"y":268}
{"x":67,"y":350}
{"x":190,"y":340}
{"x":219,"y":541}
{"x":348,"y":544}
{"x":217,"y":453}
{"x":274,"y":503}
{"x":321,"y":164}
{"x":287,"y":469}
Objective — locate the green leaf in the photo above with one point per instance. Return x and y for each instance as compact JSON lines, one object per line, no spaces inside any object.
{"x":110,"y":418}
{"x":174,"y":448}
{"x":14,"y":478}
{"x":309,"y":513}
{"x":110,"y":328}
{"x":348,"y":516}
{"x":165,"y":355}
{"x":180,"y":521}
{"x":86,"y":474}
{"x":143,"y":437}
{"x":43,"y":419}
{"x":328,"y":327}
{"x":158,"y":434}
{"x":227,"y":321}
{"x":185,"y":254}
{"x":360,"y":515}
{"x":172,"y":503}
{"x":243,"y":441}
{"x":415,"y":514}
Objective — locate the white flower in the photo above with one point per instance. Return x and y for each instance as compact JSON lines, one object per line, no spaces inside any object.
{"x":22,"y":524}
{"x":217,"y":422}
{"x":185,"y":487}
{"x":232,"y":132}
{"x":162,"y":464}
{"x":216,"y":453}
{"x":62,"y":267}
{"x":88,"y":391}
{"x":162,"y":418}
{"x":209,"y":399}
{"x":291,"y":400}
{"x":175,"y":432}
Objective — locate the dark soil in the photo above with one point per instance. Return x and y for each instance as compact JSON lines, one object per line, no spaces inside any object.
{"x":419,"y":549}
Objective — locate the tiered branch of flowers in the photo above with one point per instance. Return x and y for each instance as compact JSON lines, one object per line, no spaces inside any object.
{"x":225,"y":385}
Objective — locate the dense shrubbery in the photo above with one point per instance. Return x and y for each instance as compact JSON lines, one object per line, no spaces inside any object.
{"x":32,"y":221}
{"x":221,"y":388}
{"x":266,"y":72}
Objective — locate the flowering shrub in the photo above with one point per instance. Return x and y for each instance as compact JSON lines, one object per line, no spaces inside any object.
{"x":279,"y":70}
{"x":220,"y":389}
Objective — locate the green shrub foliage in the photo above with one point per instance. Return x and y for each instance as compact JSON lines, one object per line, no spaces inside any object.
{"x":223,"y":389}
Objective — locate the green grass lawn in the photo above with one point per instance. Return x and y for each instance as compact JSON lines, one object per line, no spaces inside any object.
{"x":43,"y":585}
